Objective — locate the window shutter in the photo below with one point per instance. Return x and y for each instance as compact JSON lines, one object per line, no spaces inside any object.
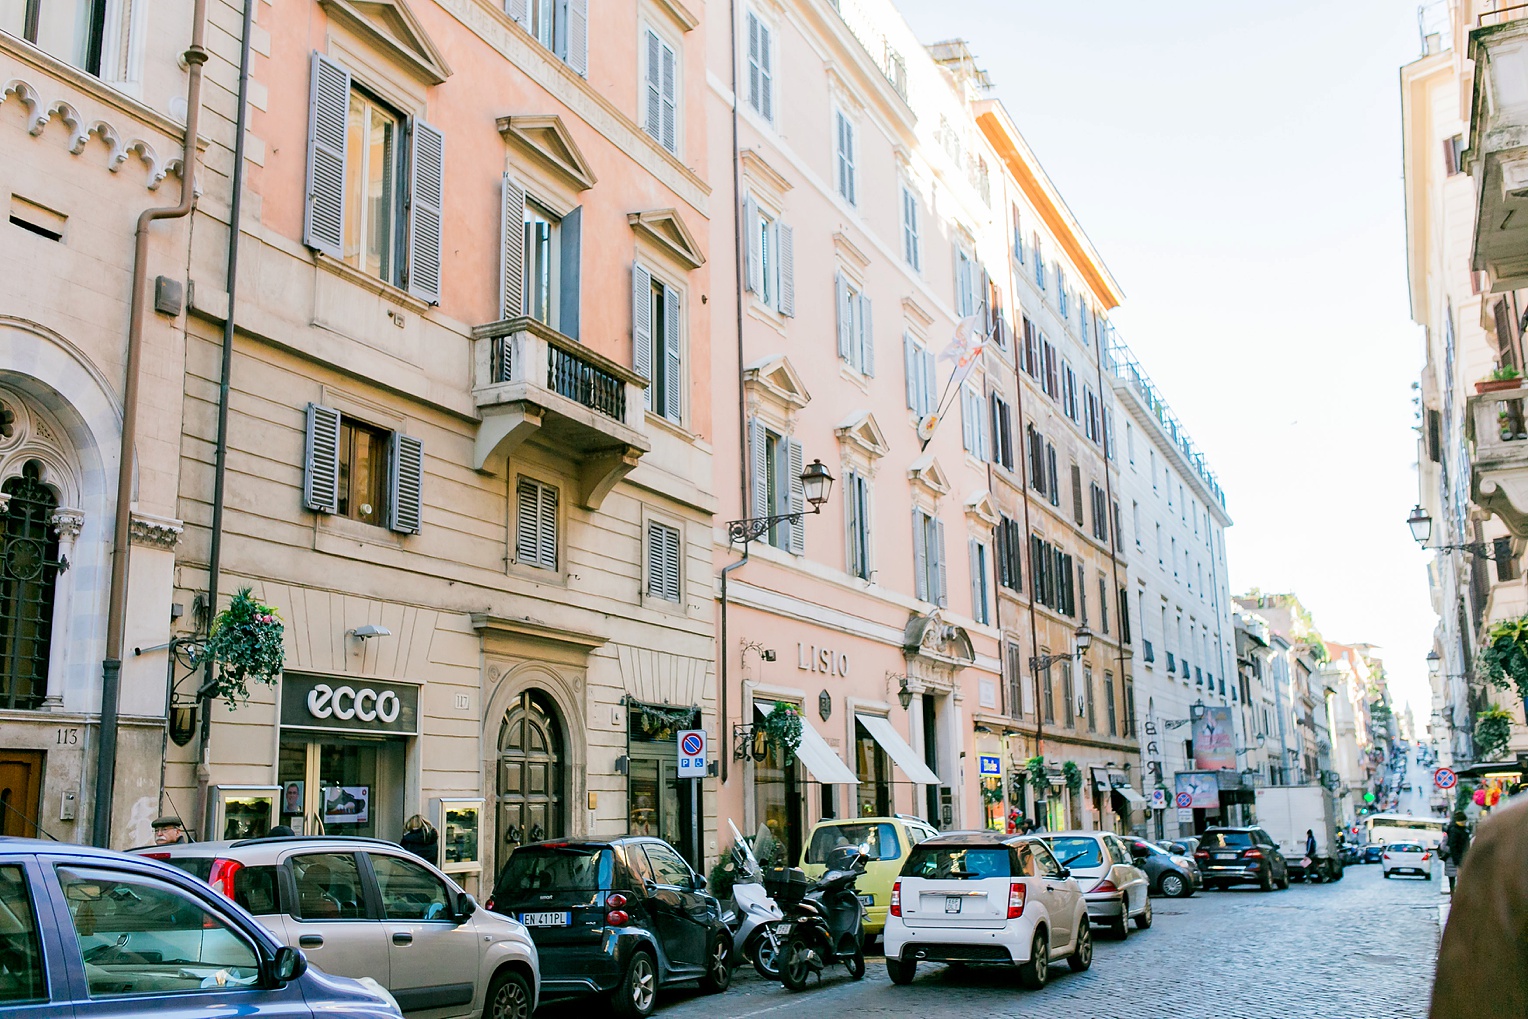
{"x":642,"y":325}
{"x":654,"y":123}
{"x":785,"y":246}
{"x":321,"y":460}
{"x":405,"y":482}
{"x":670,"y":138}
{"x":978,"y":605}
{"x":920,"y":557}
{"x":519,"y":11}
{"x":759,"y":453}
{"x":911,"y":365}
{"x":997,"y":425}
{"x":754,"y":62}
{"x":655,"y":577}
{"x":866,"y":338}
{"x":527,"y":520}
{"x":766,"y":74}
{"x":673,"y":376}
{"x":570,"y":244}
{"x":968,"y":419}
{"x":512,"y":251}
{"x":845,"y":315}
{"x":1435,"y":436}
{"x":753,"y":265}
{"x":547,"y":530}
{"x":1450,"y":158}
{"x":578,"y":36}
{"x":798,"y":498}
{"x":323,"y":225}
{"x":941,"y":590}
{"x":1077,"y":494}
{"x":427,"y":173}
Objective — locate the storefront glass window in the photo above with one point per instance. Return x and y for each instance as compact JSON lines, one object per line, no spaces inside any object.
{"x":992,"y":803}
{"x":342,"y":787}
{"x":778,"y":795}
{"x":874,"y":773}
{"x":653,"y":800}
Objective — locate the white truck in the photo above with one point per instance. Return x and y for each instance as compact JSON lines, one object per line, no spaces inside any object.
{"x":1287,"y":812}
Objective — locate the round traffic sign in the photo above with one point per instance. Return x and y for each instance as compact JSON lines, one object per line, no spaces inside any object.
{"x":1185,"y":800}
{"x":691,"y":745}
{"x":1444,"y":778}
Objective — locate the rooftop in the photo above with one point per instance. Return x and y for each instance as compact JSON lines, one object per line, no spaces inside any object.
{"x":1123,"y":363}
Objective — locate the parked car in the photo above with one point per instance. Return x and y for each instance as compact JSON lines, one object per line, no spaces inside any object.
{"x":1349,"y":853}
{"x":1176,"y":877}
{"x":1230,"y":856}
{"x":887,"y":841}
{"x":83,"y":924}
{"x":361,"y":906}
{"x":1406,"y":858}
{"x":622,"y":917}
{"x":1116,"y":890}
{"x":1181,"y":847}
{"x":985,"y":897}
{"x":1372,"y":852}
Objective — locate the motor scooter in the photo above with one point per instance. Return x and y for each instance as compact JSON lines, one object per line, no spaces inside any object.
{"x":752,"y":915}
{"x":828,"y":924}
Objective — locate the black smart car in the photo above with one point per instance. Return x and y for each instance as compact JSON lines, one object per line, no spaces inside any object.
{"x":1228,"y":856}
{"x":617,"y":917}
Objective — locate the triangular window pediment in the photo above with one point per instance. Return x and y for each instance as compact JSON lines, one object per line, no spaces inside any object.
{"x":545,"y":139}
{"x":778,"y":379}
{"x":926,"y":471}
{"x":861,"y":430}
{"x":391,"y":27}
{"x":980,"y":506}
{"x":667,"y":230}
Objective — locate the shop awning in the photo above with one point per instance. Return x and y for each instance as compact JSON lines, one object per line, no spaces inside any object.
{"x":1134,"y":798}
{"x":821,"y":762}
{"x":905,"y":756}
{"x":1100,"y":778}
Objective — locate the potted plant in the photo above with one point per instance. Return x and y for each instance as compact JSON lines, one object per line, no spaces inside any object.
{"x":1505,"y":657}
{"x":782,"y":726}
{"x":246,"y":642}
{"x":1073,"y":775}
{"x":1493,"y":731}
{"x":1039,"y":776}
{"x":1506,"y":377}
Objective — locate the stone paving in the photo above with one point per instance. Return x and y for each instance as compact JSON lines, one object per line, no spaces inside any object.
{"x":1363,"y":947}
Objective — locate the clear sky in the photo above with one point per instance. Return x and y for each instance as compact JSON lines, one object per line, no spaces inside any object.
{"x":1238,"y":166}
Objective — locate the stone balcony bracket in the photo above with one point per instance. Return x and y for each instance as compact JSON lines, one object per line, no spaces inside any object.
{"x":1499,"y":472}
{"x":532,"y":382}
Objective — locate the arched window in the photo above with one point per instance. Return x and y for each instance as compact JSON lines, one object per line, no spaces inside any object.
{"x":29,"y":567}
{"x":531,"y":793}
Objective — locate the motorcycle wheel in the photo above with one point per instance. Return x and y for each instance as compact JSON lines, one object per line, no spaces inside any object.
{"x":855,"y":964}
{"x":766,"y":952}
{"x":795,"y":964}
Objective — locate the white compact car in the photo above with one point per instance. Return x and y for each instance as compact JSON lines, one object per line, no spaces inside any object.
{"x":1406,"y":858}
{"x":986,"y":898}
{"x":1116,"y":890}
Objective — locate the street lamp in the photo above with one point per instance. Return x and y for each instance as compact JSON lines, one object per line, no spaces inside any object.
{"x":1420,"y":524}
{"x":1434,"y":663}
{"x":1421,"y":529}
{"x":816,"y":484}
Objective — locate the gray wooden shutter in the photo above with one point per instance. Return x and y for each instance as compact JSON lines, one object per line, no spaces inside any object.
{"x":578,"y":36}
{"x":519,"y":11}
{"x":977,"y":601}
{"x":670,"y":137}
{"x":655,"y":576}
{"x":967,"y":421}
{"x":785,"y":246}
{"x":427,"y":170}
{"x":527,"y":522}
{"x":405,"y":484}
{"x":642,"y":326}
{"x":673,"y":400}
{"x":910,"y":364}
{"x":754,"y":78}
{"x":766,"y":74}
{"x":323,"y":224}
{"x":758,"y":454}
{"x":1077,"y":495}
{"x":866,"y":338}
{"x":798,"y":498}
{"x":570,"y":242}
{"x":941,"y":594}
{"x":321,"y":460}
{"x":512,"y":251}
{"x":547,"y":530}
{"x":654,"y":121}
{"x":753,"y":256}
{"x":845,"y":315}
{"x":926,"y":375}
{"x":920,"y":557}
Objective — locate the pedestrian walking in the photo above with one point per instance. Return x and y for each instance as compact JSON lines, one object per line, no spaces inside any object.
{"x":420,"y":839}
{"x":1483,"y":959}
{"x":1456,"y":842}
{"x":1310,"y":843}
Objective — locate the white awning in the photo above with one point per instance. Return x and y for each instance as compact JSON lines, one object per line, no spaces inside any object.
{"x":820,"y":760}
{"x":1129,"y":793}
{"x":905,"y":756}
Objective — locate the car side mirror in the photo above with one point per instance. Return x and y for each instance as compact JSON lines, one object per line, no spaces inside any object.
{"x":698,"y":882}
{"x":1065,"y":873}
{"x":466,"y":905}
{"x":288,"y":964}
{"x":1176,"y":850}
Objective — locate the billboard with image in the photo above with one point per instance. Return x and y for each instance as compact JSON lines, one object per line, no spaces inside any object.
{"x":1214,"y":740}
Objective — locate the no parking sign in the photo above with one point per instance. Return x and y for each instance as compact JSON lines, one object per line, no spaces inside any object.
{"x":692,"y":753}
{"x":1444,"y":778}
{"x":1185,"y":800}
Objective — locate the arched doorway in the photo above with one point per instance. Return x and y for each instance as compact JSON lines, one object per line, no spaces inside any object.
{"x":531,"y":779}
{"x":29,"y":567}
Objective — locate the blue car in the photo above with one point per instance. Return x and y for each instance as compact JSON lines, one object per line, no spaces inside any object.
{"x":98,"y":934}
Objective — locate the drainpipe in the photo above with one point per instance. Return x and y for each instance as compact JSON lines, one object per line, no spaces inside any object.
{"x":722,"y":674}
{"x":220,"y":462}
{"x":111,"y":666}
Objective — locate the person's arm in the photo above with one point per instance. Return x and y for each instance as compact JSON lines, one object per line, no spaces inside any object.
{"x":1488,"y":920}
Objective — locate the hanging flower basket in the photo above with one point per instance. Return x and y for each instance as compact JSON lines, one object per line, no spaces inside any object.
{"x":992,"y":792}
{"x":782,"y":726}
{"x":1505,"y":658}
{"x":1493,"y":731}
{"x":1039,"y":775}
{"x":246,"y":643}
{"x":1073,"y":775}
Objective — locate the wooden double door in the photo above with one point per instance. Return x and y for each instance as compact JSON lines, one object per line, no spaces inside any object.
{"x":20,"y":792}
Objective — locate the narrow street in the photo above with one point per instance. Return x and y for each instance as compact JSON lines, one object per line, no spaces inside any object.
{"x":1366,"y":943}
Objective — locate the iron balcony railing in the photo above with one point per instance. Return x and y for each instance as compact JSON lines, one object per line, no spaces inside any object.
{"x":567,"y":374}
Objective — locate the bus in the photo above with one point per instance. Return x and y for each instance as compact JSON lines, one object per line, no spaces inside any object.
{"x":1387,"y":828}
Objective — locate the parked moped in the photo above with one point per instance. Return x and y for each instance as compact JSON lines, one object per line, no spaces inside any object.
{"x":752,"y":915}
{"x":827,"y":925}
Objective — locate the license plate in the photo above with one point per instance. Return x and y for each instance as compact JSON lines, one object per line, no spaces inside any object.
{"x":951,"y":904}
{"x":868,"y":900}
{"x":546,"y":919}
{"x":1225,"y":856}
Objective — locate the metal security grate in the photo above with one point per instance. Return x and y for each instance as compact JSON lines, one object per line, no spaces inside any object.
{"x":29,"y":567}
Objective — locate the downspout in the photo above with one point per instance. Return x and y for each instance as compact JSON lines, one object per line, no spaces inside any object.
{"x":725,"y":755}
{"x":742,"y":410}
{"x":1026,"y":553}
{"x":116,"y":612}
{"x":220,"y":461}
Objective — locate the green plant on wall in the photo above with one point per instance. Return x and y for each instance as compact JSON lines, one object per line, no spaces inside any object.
{"x":1073,"y":775}
{"x":1505,"y":658}
{"x":246,"y":643}
{"x":1493,"y":730}
{"x":783,"y":728}
{"x":1039,"y":775}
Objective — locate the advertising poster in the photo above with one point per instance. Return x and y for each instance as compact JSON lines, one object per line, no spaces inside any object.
{"x":1214,"y":741}
{"x":1201,"y":788}
{"x":347,"y":804}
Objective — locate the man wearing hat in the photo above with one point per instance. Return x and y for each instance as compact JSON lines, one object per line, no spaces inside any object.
{"x":169,"y":830}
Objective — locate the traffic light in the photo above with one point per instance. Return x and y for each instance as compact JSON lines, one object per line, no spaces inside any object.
{"x":1368,"y":797}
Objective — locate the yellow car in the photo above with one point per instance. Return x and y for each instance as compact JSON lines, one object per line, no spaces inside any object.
{"x":887,"y":840}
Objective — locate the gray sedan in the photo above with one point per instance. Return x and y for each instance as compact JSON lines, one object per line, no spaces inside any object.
{"x":1176,"y":877}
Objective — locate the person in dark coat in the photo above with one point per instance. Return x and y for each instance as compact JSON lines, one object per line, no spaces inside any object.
{"x":1456,"y":842}
{"x":1310,"y":843}
{"x":420,"y":839}
{"x":1483,"y":958}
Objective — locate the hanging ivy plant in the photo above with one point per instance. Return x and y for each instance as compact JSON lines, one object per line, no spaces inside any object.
{"x":1505,"y":658}
{"x":1073,"y":775}
{"x":1039,"y":774}
{"x":992,"y":792}
{"x":246,"y":643}
{"x":1493,"y":731}
{"x":783,"y":728}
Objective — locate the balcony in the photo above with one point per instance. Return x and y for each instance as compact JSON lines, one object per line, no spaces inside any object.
{"x":1498,"y":147}
{"x":1499,"y":471}
{"x":532,"y":382}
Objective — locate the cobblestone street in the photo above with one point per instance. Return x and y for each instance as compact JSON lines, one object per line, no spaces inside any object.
{"x":1363,"y":947}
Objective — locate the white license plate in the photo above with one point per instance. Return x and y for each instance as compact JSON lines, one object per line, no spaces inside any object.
{"x":546,"y":919}
{"x":868,"y":900}
{"x":951,"y":904}
{"x":1225,"y":856}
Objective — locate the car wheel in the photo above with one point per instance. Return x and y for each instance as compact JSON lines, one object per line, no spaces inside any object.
{"x":795,"y":964}
{"x":1143,"y":921}
{"x":1033,"y":974}
{"x":1082,"y":954}
{"x":1120,"y":926}
{"x":1172,"y":885}
{"x":855,"y":964}
{"x":638,"y":993}
{"x":901,"y":973}
{"x":1428,"y":875}
{"x":718,"y":966}
{"x":1385,"y":872}
{"x":509,"y":997}
{"x":1265,"y":880}
{"x":766,"y":952}
{"x":1284,"y":881}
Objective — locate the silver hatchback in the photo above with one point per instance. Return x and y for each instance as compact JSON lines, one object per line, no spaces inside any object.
{"x":366,"y":908}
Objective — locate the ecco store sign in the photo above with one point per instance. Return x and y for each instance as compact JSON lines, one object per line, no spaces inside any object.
{"x":358,"y":706}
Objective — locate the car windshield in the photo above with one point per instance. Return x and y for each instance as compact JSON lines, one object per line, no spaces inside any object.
{"x":879,"y":838}
{"x":1077,"y":852}
{"x":957,"y":863}
{"x":1405,"y":847}
{"x":564,"y":868}
{"x":1225,"y":840}
{"x":1149,"y":849}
